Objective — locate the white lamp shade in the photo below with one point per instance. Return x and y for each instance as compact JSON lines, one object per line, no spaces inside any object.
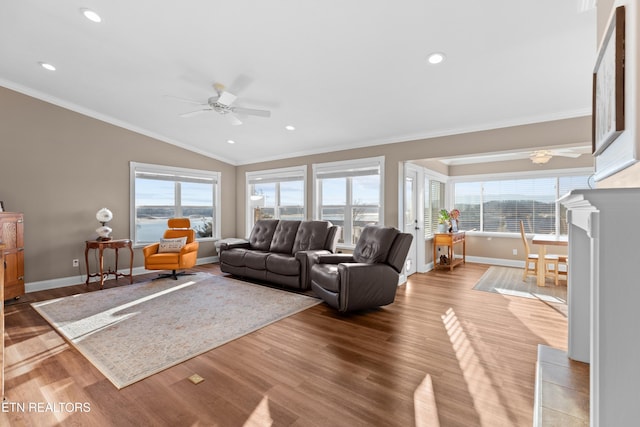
{"x":104,"y":215}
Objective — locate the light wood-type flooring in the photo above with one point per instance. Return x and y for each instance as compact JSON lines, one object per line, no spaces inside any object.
{"x":442,"y":354}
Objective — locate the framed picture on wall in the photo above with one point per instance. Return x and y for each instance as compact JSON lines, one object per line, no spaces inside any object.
{"x":608,"y":86}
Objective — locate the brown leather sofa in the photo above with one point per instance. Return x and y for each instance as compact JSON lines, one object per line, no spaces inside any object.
{"x":280,"y":251}
{"x":369,"y":277}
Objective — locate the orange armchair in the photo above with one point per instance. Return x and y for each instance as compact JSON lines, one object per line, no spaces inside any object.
{"x":178,"y":249}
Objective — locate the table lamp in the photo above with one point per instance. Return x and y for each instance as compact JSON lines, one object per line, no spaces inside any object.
{"x":103,"y":216}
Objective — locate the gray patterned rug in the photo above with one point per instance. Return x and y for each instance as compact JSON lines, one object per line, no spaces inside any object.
{"x":131,"y":332}
{"x":508,"y":281}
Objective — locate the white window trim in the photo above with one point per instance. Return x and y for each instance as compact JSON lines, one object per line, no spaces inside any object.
{"x":273,"y":174}
{"x":341,"y":166}
{"x":152,"y":168}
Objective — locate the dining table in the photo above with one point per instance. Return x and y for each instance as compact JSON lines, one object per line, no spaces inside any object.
{"x":544,"y":240}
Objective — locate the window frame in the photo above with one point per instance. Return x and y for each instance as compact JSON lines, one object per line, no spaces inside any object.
{"x":135,"y":167}
{"x":278,"y":176}
{"x":554,"y":173}
{"x":347,"y":167}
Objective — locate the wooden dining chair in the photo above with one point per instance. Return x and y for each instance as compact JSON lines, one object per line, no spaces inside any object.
{"x":532,"y":258}
{"x":562,"y":260}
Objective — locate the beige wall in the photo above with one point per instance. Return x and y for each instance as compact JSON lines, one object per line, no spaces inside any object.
{"x":59,"y":167}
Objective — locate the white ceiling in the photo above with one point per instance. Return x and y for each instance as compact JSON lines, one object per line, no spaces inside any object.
{"x":344,"y":73}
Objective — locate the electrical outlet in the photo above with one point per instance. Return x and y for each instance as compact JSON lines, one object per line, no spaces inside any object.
{"x":76,"y":263}
{"x":515,"y":252}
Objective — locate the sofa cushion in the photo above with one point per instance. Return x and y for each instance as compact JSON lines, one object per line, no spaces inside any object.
{"x":284,"y":236}
{"x":374,"y":244}
{"x":311,"y":235}
{"x":326,"y":276}
{"x":283,"y":264}
{"x":262,"y":234}
{"x":233,"y":257}
{"x":256,"y":260}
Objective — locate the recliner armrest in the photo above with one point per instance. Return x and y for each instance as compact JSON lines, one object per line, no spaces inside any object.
{"x":334,"y":258}
{"x":225,"y":246}
{"x":364,"y":285}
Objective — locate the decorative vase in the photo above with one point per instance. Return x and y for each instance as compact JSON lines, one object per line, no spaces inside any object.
{"x":442,"y":228}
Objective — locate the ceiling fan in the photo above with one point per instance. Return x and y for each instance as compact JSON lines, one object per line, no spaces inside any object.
{"x":222,"y":103}
{"x":540,"y":157}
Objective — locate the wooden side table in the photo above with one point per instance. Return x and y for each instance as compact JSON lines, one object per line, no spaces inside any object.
{"x":101,"y":245}
{"x":449,"y":240}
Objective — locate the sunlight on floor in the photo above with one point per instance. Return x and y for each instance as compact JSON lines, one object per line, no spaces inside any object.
{"x":19,"y":352}
{"x":261,"y":416}
{"x":479,"y":384}
{"x":424,"y":404}
{"x":92,"y":324}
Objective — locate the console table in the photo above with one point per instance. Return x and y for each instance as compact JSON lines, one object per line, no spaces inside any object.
{"x":101,"y":245}
{"x":449,"y":240}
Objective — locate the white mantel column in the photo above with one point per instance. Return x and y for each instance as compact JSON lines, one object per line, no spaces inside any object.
{"x":604,"y":281}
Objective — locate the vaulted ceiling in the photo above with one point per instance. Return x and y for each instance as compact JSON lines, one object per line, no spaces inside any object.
{"x":343,"y":73}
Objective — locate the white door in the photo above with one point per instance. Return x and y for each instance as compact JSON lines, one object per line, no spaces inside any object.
{"x":412,"y":223}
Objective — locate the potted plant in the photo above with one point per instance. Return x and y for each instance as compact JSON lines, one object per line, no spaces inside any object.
{"x":443,"y":221}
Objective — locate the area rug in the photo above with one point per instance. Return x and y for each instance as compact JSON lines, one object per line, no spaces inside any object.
{"x":508,"y":281}
{"x":134,"y":331}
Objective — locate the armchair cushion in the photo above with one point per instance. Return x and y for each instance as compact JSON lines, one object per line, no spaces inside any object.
{"x":171,"y":245}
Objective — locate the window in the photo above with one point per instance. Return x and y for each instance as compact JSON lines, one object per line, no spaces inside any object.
{"x":433,"y":201}
{"x":278,"y":193}
{"x":500,"y":205}
{"x":349,"y":194}
{"x":162,"y":192}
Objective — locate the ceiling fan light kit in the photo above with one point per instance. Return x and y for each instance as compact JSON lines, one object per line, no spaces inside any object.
{"x":540,"y":157}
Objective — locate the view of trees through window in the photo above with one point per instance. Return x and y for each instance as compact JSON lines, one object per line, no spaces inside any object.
{"x":500,"y":205}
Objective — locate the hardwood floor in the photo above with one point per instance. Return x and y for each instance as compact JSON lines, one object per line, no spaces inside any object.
{"x":441,"y":353}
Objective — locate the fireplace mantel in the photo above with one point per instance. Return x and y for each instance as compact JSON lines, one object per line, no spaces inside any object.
{"x":604,"y":298}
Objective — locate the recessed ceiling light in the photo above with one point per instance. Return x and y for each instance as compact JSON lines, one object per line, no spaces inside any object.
{"x":289,"y":127}
{"x":47,"y":66}
{"x":91,"y":15}
{"x":230,"y":141}
{"x":436,"y":58}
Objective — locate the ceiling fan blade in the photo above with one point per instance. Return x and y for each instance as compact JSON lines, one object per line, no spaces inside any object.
{"x":233,"y":119}
{"x":188,"y":101}
{"x":566,"y":154}
{"x":251,"y":112}
{"x":194,"y":113}
{"x":226,"y":98}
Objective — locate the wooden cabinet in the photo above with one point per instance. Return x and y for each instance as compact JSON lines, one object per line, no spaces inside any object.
{"x":1,"y":322}
{"x":12,"y":236}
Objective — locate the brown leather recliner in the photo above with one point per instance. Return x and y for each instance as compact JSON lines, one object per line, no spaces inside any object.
{"x":172,"y":255}
{"x":369,"y":277}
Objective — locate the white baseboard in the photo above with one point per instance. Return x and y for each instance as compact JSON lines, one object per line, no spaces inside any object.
{"x":75,"y":280}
